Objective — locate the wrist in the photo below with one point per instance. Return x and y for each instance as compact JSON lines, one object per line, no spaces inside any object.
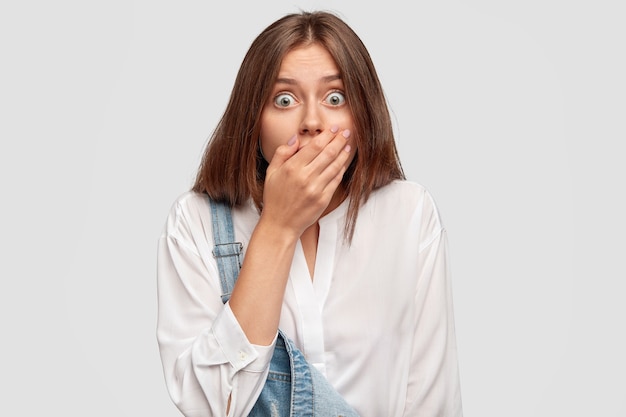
{"x":276,"y":231}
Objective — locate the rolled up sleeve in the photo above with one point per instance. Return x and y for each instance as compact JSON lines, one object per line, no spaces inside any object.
{"x":205,"y":354}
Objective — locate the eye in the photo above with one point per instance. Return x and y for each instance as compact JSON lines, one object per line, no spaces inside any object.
{"x":336,"y":98}
{"x":284,"y":100}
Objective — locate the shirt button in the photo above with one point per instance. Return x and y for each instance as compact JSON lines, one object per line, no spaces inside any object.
{"x":242,"y":356}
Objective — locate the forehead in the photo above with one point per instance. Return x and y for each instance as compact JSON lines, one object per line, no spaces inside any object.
{"x":305,"y":60}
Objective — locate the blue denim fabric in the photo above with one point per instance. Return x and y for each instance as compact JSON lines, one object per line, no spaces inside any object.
{"x":294,"y":388}
{"x":306,"y":394}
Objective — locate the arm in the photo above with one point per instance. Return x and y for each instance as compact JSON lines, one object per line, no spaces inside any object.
{"x":433,"y":386}
{"x":205,"y":354}
{"x":298,"y":188}
{"x":215,"y":357}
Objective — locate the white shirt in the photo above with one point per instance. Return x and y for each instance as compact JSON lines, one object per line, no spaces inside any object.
{"x":376,"y":319}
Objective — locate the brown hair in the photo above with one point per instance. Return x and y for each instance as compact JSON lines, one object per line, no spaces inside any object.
{"x":233,"y":169}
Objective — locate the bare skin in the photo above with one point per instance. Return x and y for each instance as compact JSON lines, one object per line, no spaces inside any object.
{"x":315,"y":171}
{"x":305,"y":133}
{"x":309,"y":241}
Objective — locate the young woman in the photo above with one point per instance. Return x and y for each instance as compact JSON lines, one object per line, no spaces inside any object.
{"x":341,"y":253}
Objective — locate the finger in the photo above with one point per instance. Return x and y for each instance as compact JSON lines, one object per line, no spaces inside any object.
{"x":316,"y":145}
{"x":330,"y":153}
{"x":335,"y":167}
{"x":284,"y":152}
{"x":334,"y":183}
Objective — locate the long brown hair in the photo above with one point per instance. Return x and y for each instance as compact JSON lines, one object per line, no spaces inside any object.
{"x":233,"y":169}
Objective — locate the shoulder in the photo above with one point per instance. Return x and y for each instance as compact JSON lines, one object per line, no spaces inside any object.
{"x":406,"y":205}
{"x":187,"y":208}
{"x":190,"y":218}
{"x":405,"y":190}
{"x":405,"y":197}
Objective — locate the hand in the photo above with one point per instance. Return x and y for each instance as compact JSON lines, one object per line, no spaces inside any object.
{"x":299,"y":184}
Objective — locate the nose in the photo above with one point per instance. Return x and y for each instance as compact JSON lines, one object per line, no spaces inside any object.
{"x":312,"y":123}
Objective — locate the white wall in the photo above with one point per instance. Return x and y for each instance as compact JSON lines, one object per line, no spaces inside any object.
{"x":511,"y":113}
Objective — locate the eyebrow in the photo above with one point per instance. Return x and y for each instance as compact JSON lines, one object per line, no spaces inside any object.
{"x":291,"y":81}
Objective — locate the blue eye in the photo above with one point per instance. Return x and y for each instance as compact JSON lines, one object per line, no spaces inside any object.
{"x":284,"y":100}
{"x":335,"y":98}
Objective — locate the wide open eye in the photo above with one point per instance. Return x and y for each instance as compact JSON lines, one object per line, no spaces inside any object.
{"x":284,"y":100}
{"x":335,"y":98}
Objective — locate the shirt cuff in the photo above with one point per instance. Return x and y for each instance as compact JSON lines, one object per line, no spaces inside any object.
{"x":241,"y":354}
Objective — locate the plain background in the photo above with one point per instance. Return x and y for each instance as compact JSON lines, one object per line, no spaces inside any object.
{"x":511,"y":113}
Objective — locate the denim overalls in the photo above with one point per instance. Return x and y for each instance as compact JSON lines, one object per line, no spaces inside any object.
{"x":294,"y":388}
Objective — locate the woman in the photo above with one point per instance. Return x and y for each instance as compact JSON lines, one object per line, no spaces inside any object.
{"x":341,"y":253}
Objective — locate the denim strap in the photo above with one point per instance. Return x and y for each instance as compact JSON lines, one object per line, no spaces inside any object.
{"x":308,"y":394}
{"x":226,"y":251}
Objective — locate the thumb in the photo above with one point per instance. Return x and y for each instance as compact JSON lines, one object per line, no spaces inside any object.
{"x":284,"y":152}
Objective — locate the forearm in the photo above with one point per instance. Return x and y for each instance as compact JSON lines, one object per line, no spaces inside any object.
{"x":258,"y":293}
{"x":299,"y":185}
{"x":206,"y":356}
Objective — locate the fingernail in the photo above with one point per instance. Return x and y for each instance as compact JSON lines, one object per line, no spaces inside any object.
{"x":347,"y":148}
{"x":292,"y":140}
{"x":334,"y":129}
{"x":346,"y":133}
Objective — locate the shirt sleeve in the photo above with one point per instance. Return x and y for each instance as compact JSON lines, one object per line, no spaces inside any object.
{"x":433,"y":386}
{"x":205,"y":354}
